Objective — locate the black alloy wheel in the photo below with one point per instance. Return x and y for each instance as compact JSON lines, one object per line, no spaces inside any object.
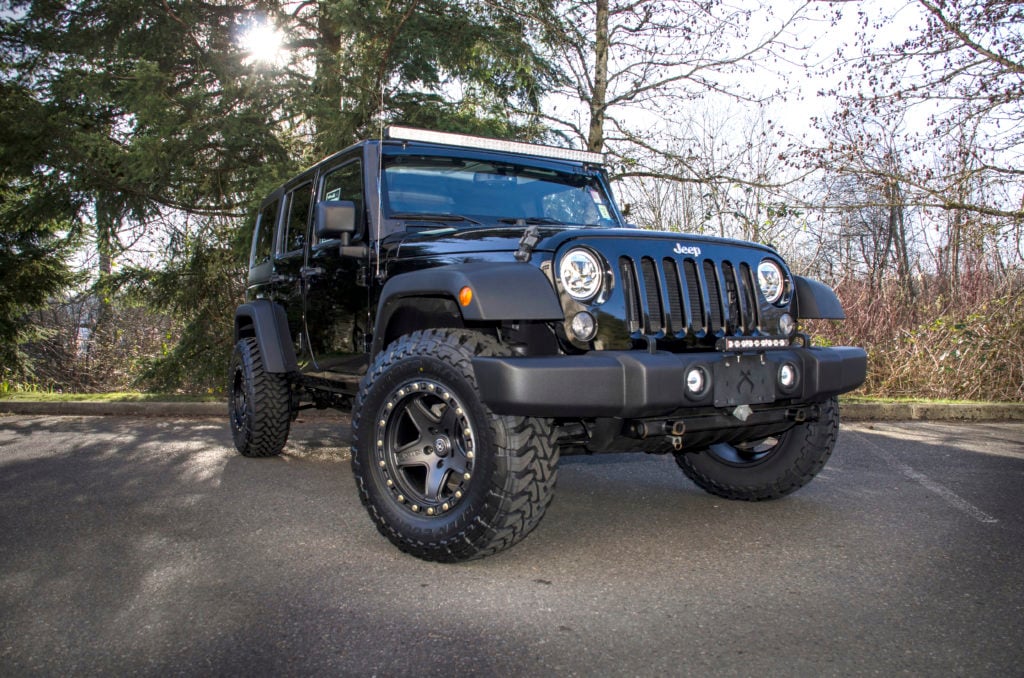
{"x":443,"y":477}
{"x":425,"y":446}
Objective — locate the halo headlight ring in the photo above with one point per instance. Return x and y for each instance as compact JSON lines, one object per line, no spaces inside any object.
{"x":771,"y":279}
{"x":581,"y":273}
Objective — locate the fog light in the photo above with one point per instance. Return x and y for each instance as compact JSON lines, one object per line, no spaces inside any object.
{"x":583,"y":326}
{"x":695,"y":381}
{"x":787,"y":376}
{"x":787,"y":324}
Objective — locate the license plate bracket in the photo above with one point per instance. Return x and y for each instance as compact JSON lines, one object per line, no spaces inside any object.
{"x":743,"y":382}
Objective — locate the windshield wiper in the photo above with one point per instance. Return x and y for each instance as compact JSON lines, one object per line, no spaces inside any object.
{"x":432,"y":216}
{"x":531,"y":220}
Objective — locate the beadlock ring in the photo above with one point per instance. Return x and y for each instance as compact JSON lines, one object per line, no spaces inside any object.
{"x":440,"y":445}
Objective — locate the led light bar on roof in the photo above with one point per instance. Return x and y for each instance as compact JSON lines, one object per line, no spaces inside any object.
{"x":467,"y":141}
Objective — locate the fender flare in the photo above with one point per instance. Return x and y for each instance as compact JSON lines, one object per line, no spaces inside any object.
{"x":270,"y":328}
{"x":815,"y":299}
{"x":501,"y":291}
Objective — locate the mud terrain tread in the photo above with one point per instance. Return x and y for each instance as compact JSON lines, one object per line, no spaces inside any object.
{"x":269,"y":420}
{"x":527,"y":456}
{"x":808,"y":448}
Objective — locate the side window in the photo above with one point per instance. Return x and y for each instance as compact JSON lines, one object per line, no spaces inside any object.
{"x":263,"y":242}
{"x":298,"y":215}
{"x":346,"y":183}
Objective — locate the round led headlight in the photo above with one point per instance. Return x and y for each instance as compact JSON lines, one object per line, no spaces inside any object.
{"x":580,"y":273}
{"x":771,"y":280}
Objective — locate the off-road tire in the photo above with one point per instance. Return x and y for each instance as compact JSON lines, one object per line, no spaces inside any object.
{"x":258,"y":403}
{"x":800,"y":453}
{"x":489,"y":478}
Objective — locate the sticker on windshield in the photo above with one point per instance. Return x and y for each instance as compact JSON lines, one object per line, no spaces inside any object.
{"x":604,"y":212}
{"x":596,"y":195}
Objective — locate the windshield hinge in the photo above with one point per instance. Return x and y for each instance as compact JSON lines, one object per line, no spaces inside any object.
{"x":529,"y":240}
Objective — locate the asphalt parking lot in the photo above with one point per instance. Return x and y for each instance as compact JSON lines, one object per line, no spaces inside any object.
{"x":147,"y":546}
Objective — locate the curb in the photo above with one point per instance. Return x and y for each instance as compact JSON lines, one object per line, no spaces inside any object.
{"x":211,"y":410}
{"x":115,"y":409}
{"x":931,"y":411}
{"x":909,"y":411}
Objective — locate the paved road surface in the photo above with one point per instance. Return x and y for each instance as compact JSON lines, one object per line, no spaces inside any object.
{"x":134,"y":546}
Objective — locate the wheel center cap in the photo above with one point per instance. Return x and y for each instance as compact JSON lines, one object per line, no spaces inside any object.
{"x":442,"y":446}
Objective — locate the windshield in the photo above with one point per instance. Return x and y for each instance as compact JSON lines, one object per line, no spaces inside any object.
{"x":466,"y":193}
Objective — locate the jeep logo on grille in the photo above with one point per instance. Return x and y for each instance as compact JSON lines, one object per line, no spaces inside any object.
{"x":692,"y":251}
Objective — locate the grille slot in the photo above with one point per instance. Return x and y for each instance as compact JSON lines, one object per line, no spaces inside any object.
{"x":732,"y":299}
{"x":697,"y":315}
{"x":748,"y":298}
{"x":675,"y":297}
{"x":714,"y":297}
{"x":652,"y":294}
{"x":676,"y":320}
{"x":631,"y":292}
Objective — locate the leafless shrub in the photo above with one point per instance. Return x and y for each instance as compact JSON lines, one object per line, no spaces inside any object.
{"x":967,"y":345}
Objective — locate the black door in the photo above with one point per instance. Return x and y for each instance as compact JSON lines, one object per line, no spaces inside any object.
{"x":337,"y":296}
{"x":288,"y":263}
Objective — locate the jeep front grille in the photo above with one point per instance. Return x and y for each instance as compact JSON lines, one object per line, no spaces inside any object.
{"x":675,"y":298}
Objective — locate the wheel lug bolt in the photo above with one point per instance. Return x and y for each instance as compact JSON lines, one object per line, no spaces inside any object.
{"x":430,"y":511}
{"x":381,"y":463}
{"x":401,"y":498}
{"x":444,"y":506}
{"x":391,"y":483}
{"x":458,"y":494}
{"x":469,"y":455}
{"x":415,"y":508}
{"x":466,"y":476}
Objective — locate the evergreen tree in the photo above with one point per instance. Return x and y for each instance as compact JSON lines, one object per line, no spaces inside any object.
{"x":133,"y":121}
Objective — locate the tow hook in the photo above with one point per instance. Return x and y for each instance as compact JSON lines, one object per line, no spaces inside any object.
{"x":676,"y":434}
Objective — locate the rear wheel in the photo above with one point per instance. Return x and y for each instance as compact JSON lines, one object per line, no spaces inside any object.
{"x":768,"y":468}
{"x":258,"y":403}
{"x":443,"y":477}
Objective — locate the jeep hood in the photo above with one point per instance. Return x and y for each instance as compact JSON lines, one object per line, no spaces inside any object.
{"x":450,"y":242}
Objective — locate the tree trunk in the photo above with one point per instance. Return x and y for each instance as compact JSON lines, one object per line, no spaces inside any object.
{"x":595,"y":140}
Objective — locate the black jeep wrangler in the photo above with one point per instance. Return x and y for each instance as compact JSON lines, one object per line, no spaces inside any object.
{"x":482,"y":307}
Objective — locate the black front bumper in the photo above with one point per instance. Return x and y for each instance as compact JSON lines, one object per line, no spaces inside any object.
{"x":633,"y":384}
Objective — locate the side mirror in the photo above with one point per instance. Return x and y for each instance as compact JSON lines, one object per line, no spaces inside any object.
{"x":335,"y":219}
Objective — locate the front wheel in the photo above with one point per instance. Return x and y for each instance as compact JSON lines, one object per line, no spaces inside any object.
{"x":443,"y":477}
{"x":768,"y":468}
